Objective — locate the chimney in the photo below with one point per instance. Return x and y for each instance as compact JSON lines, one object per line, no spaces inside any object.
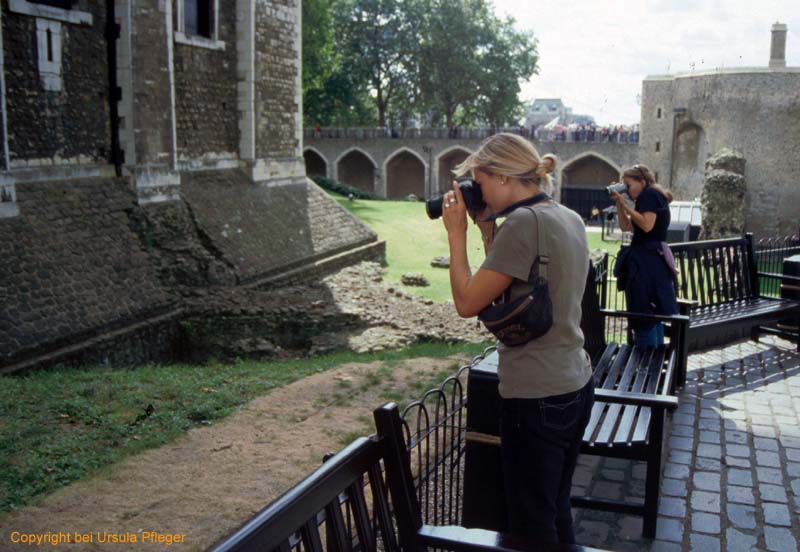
{"x":777,"y":50}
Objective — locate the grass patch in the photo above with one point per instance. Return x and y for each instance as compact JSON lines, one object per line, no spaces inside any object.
{"x":61,"y":425}
{"x":413,"y":240}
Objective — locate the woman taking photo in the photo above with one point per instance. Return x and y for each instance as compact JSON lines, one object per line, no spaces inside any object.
{"x":546,"y":384}
{"x":647,"y":268}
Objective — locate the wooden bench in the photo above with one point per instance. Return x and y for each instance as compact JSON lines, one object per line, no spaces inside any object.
{"x":718,"y":283}
{"x":344,"y":506}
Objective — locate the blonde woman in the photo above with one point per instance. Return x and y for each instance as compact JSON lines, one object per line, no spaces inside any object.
{"x":546,"y":384}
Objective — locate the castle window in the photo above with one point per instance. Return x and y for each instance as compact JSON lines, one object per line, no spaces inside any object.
{"x":198,"y":18}
{"x":63,"y":4}
{"x":658,"y":113}
{"x":658,"y":146}
{"x":66,"y":11}
{"x":198,"y":23}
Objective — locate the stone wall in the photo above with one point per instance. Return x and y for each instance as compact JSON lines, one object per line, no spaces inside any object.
{"x":277,"y":73}
{"x":380,"y":151}
{"x":258,"y":231}
{"x":74,"y":269}
{"x":205,"y":94}
{"x":753,"y":111}
{"x":48,"y":126}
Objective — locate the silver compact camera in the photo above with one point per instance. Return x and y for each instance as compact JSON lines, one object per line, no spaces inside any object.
{"x":619,"y":187}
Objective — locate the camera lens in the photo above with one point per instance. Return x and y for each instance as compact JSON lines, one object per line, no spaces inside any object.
{"x":434,"y":207}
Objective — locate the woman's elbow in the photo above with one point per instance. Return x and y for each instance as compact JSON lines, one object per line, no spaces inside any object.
{"x":466,"y":310}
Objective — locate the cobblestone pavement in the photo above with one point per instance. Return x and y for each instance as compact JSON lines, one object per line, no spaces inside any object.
{"x":731,"y":472}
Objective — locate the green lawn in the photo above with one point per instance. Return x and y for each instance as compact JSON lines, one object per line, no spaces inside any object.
{"x":413,"y":240}
{"x":61,"y":425}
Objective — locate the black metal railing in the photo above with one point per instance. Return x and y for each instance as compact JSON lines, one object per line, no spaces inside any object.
{"x":770,"y":254}
{"x":462,"y":133}
{"x":434,"y":428}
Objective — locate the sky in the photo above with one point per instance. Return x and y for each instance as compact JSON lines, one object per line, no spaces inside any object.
{"x":594,"y":54}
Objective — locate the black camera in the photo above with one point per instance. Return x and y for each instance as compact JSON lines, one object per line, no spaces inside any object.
{"x":470,"y":191}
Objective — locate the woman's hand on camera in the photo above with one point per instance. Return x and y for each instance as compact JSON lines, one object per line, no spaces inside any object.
{"x":454,"y":212}
{"x":622,"y":205}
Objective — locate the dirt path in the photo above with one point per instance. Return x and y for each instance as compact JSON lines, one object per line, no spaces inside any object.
{"x":213,"y":478}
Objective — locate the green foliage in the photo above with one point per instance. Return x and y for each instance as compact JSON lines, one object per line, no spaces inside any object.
{"x":332,"y":94}
{"x":59,"y":426}
{"x":473,"y":63}
{"x":399,"y":62}
{"x":337,"y":187}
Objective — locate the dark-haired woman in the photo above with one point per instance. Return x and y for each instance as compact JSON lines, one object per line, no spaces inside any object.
{"x":647,"y":268}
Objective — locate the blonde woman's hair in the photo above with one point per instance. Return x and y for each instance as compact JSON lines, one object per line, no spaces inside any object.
{"x":510,"y":155}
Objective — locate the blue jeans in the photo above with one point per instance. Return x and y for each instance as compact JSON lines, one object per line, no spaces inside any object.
{"x":654,"y":337}
{"x":541,"y":439}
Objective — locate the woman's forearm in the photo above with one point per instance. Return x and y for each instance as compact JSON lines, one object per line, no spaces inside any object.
{"x":624,"y":219}
{"x":459,"y":267}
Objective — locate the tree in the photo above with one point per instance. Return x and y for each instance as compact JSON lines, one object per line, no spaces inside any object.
{"x":331,"y":94}
{"x":455,"y":31}
{"x":400,"y":62}
{"x":509,"y":59}
{"x":472,"y":64}
{"x":378,"y":39}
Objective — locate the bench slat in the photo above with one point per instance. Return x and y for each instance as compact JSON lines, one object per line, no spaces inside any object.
{"x":612,"y":415}
{"x":310,"y":535}
{"x":366,"y":537}
{"x":604,"y":364}
{"x":642,"y":428}
{"x":380,"y":500}
{"x":608,"y":380}
{"x":335,"y":528}
{"x":600,"y":372}
{"x":623,"y":434}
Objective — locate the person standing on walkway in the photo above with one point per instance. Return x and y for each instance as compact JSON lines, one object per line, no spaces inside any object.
{"x":546,"y":384}
{"x":646,"y":269}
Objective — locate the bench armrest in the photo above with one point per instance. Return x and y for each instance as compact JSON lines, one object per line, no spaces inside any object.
{"x":639,"y":399}
{"x":677,"y":318}
{"x":453,"y":537}
{"x":688,"y":302}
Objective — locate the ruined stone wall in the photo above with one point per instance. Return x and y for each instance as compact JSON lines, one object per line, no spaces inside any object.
{"x":259,"y":231}
{"x":753,"y":111}
{"x":73,"y":269}
{"x":277,"y":72}
{"x":205,"y":94}
{"x":52,"y":126}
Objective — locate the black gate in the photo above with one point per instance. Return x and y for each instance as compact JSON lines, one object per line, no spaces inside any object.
{"x":581,"y":200}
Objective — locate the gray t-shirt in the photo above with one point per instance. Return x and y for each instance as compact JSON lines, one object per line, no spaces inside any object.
{"x":555,"y":363}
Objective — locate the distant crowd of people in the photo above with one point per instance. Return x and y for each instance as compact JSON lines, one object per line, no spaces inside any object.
{"x":546,"y":133}
{"x":588,"y":133}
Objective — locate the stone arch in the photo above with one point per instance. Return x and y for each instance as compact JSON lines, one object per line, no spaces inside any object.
{"x":446,"y":161}
{"x":583,"y":180}
{"x":688,"y":161}
{"x":405,"y":172}
{"x":355,"y":167}
{"x":316,"y":164}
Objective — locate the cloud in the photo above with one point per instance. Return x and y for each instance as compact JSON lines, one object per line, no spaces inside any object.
{"x":594,"y":54}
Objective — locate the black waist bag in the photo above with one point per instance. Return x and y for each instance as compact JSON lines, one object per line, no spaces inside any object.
{"x":519,"y":321}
